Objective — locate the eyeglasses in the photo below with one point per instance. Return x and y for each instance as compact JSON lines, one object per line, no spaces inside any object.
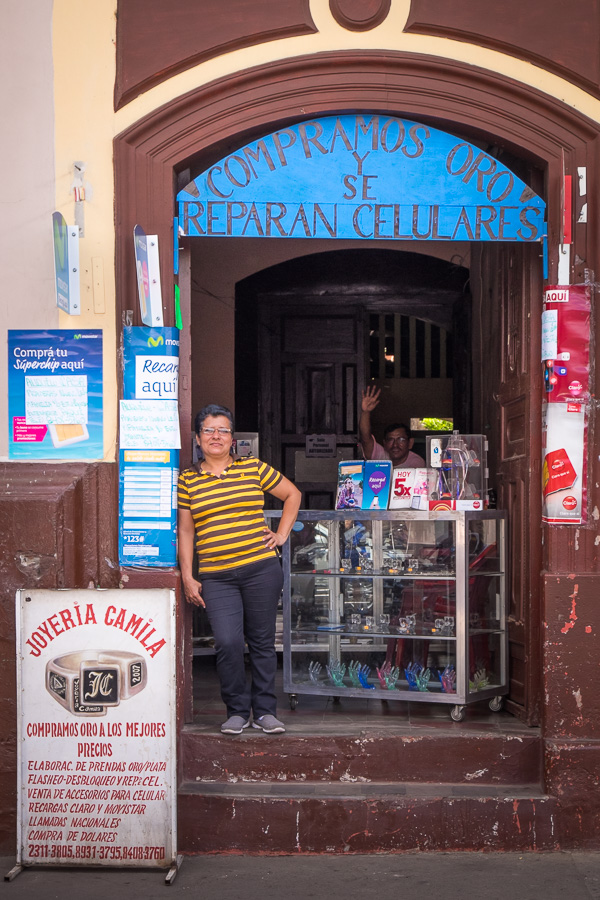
{"x":222,"y":431}
{"x":396,"y":440}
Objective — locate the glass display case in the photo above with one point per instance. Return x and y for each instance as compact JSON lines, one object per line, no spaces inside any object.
{"x":399,"y":605}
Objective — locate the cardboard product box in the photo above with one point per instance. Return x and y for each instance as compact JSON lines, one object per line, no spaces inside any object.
{"x":558,"y":472}
{"x":402,"y":485}
{"x":350,"y":485}
{"x":377,"y":478}
{"x":420,"y":491}
{"x":409,"y":489}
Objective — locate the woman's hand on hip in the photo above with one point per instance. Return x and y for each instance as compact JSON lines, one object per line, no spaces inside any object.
{"x":191,"y":589}
{"x":272,"y":539}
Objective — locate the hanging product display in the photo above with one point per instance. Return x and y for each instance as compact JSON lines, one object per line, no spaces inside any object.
{"x":459,"y":476}
{"x":566,"y":370}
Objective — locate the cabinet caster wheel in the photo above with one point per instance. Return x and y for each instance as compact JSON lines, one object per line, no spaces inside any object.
{"x":457,"y":713}
{"x":495,"y":704}
{"x":293,"y":701}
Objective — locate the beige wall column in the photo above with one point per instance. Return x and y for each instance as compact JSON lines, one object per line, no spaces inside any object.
{"x":26,"y":177}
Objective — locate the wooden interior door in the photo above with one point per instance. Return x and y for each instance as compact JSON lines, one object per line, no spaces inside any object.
{"x":312,"y":370}
{"x":507,"y":407}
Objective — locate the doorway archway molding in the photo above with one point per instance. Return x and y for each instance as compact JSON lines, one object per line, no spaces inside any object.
{"x":214,"y":120}
{"x":217,"y":118}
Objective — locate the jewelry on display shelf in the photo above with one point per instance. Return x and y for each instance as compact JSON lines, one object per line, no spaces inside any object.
{"x":359,"y":675}
{"x":314,"y":671}
{"x":444,"y":626}
{"x":337,"y":671}
{"x":407,"y":624}
{"x":384,"y":622}
{"x":366,"y":563}
{"x":417,"y":677}
{"x":479,"y":681}
{"x":388,"y":676}
{"x":448,"y":680}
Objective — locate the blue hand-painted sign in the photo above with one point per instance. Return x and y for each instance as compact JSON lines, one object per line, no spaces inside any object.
{"x":365,"y":177}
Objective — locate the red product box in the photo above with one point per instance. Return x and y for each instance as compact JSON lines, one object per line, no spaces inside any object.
{"x":558,"y":473}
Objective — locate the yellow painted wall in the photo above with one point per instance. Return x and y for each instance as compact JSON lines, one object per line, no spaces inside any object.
{"x":84,"y":74}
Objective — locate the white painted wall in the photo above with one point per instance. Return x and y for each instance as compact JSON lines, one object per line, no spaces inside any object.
{"x":26,"y":177}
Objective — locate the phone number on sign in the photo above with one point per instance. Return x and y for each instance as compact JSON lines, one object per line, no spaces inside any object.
{"x":88,"y":851}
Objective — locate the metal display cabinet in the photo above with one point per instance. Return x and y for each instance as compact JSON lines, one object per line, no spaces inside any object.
{"x":396,"y":605}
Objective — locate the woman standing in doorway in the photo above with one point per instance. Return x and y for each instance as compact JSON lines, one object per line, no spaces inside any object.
{"x":221,"y":503}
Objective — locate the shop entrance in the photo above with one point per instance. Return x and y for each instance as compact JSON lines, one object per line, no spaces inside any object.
{"x":303,"y":347}
{"x":502,"y":116}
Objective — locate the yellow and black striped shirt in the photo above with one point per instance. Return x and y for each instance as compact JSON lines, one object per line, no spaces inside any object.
{"x":227,"y":510}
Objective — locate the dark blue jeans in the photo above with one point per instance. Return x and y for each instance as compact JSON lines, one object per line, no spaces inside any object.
{"x":242,"y":603}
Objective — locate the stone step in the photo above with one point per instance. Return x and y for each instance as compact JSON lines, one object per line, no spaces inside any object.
{"x":360,"y":817}
{"x":444,"y":754}
{"x":360,"y":790}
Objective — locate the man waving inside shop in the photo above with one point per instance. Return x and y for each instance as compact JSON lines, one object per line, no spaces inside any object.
{"x":397,"y":440}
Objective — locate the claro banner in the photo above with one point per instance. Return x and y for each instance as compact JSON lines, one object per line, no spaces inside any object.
{"x":566,"y":368}
{"x":97,"y":760}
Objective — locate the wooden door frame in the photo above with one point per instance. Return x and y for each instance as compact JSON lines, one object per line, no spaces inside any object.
{"x":512,"y":419}
{"x":454,"y":96}
{"x":269,"y":344}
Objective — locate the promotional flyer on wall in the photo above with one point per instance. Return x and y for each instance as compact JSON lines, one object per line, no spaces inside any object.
{"x":55,"y":394}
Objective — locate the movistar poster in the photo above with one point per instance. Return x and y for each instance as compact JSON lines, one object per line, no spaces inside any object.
{"x":150,"y":363}
{"x":55,"y":394}
{"x":149,"y":454}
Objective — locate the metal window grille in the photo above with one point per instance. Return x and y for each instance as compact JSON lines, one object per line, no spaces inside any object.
{"x":408,"y":347}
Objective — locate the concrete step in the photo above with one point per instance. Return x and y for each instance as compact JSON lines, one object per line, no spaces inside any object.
{"x":362,"y":817}
{"x":457,"y":754}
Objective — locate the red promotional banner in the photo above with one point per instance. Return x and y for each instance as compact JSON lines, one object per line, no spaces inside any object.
{"x":566,"y":344}
{"x":566,"y":361}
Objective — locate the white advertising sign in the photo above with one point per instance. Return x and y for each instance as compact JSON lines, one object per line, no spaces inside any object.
{"x":96,"y":721}
{"x":563,"y":482}
{"x":149,"y":425}
{"x":156,"y":377}
{"x":549,"y":334}
{"x":56,"y":399}
{"x":321,"y":445}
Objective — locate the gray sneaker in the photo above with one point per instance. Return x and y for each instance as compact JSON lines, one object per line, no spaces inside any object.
{"x":234,"y":725}
{"x":269,"y":724}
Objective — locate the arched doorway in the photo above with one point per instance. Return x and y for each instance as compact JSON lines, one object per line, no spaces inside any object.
{"x":363,"y":178}
{"x":203,"y":125}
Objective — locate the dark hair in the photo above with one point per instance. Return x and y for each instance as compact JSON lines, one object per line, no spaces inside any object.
{"x":213,"y":409}
{"x":395,"y":426}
